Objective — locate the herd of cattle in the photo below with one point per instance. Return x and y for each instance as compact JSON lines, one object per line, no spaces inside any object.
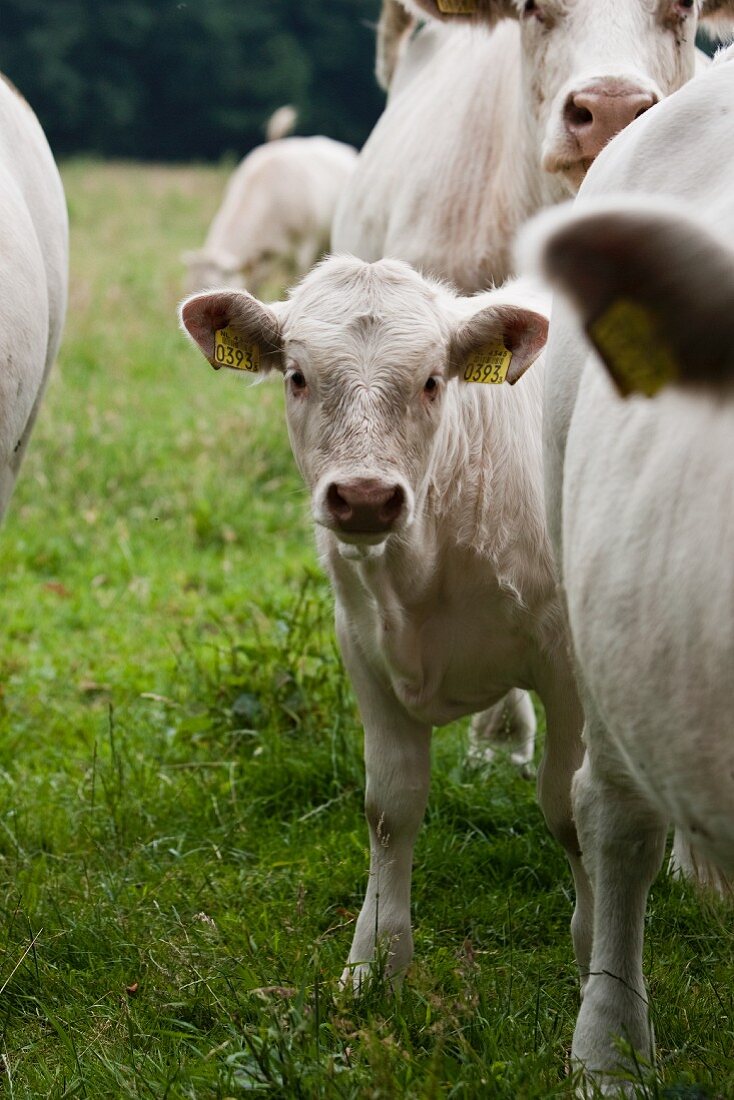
{"x":507,"y":496}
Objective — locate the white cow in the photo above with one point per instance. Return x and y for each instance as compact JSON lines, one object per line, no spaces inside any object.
{"x":641,"y":503}
{"x":483,"y":129}
{"x":427,"y":496}
{"x":276,"y":214}
{"x":33,"y":276}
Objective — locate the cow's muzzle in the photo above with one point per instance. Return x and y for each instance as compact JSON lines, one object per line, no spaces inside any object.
{"x":363,"y":508}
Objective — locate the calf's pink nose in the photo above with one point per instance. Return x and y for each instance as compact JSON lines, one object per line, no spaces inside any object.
{"x":364,"y":505}
{"x":596,"y":114}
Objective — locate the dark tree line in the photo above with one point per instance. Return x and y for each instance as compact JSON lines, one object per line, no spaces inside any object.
{"x":189,"y":79}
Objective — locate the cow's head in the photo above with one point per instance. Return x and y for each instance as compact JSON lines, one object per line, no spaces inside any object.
{"x":211,"y":267}
{"x":371,"y":355}
{"x":590,"y":67}
{"x":653,"y":289}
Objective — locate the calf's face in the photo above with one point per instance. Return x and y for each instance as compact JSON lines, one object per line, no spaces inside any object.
{"x":367,"y":352}
{"x":590,"y":67}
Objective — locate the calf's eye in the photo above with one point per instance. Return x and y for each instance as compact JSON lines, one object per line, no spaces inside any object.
{"x":297,"y":381}
{"x":431,"y":386}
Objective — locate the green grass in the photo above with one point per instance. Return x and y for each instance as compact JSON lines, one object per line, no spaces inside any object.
{"x":182,"y":851}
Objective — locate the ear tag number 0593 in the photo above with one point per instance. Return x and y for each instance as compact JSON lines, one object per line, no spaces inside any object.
{"x":488,"y":365}
{"x":231,"y":350}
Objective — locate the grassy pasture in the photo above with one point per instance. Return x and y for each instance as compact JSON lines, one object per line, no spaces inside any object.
{"x":182,"y":851}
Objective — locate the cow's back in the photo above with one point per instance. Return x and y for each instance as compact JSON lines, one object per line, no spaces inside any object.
{"x":287,"y":187}
{"x":33,"y":275}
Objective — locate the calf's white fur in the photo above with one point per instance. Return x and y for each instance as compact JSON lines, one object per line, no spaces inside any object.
{"x":427,"y":496}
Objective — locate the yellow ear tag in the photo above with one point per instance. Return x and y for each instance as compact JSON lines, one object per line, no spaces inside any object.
{"x":628,"y":340}
{"x":488,"y":365}
{"x":231,"y":350}
{"x":457,"y":7}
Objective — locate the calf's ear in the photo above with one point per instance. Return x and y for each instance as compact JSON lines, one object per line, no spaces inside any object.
{"x":233,"y":329}
{"x":497,"y":344}
{"x":655,"y":292}
{"x":451,"y":11}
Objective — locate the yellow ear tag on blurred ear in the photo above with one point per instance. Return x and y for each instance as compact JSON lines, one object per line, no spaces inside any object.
{"x":231,"y":350}
{"x":457,"y":7}
{"x":627,"y":338}
{"x":488,"y":365}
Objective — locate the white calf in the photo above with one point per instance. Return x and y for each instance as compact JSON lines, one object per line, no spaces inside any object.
{"x":427,"y":496}
{"x":33,"y":276}
{"x":641,"y":499}
{"x":483,"y":129}
{"x":276,"y":214}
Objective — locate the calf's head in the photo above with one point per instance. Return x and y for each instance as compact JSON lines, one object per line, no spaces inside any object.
{"x":369,"y":354}
{"x":590,"y":67}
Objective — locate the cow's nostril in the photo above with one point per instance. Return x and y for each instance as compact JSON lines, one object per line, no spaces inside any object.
{"x":578,"y":116}
{"x":642,"y":110}
{"x":393,"y":506}
{"x":338,"y":506}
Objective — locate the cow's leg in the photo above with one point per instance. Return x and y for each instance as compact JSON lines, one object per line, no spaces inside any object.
{"x":397,"y":759}
{"x":623,"y":841}
{"x":563,"y":754}
{"x":509,"y":725}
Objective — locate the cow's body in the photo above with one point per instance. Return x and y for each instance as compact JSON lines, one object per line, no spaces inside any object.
{"x":641,"y":505}
{"x":430,"y":523}
{"x":275,"y":218}
{"x":483,"y":128}
{"x":33,"y":276}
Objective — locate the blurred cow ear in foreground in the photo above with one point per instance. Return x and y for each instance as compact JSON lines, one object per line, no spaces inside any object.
{"x":232,"y":329}
{"x":655,"y":291}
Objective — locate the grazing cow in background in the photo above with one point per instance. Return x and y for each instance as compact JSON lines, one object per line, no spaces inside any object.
{"x":641,"y":502}
{"x":484,"y":129}
{"x":426,"y":490}
{"x":34,"y":262}
{"x":275,"y":218}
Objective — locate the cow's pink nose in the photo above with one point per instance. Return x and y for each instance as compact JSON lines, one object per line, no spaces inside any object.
{"x":595,"y":114}
{"x":364,"y":506}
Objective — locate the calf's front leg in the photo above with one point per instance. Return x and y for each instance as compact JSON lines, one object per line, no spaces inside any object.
{"x":397,"y":759}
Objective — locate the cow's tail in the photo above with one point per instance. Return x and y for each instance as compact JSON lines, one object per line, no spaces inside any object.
{"x":393,"y":28}
{"x":281,"y":123}
{"x":689,"y":863}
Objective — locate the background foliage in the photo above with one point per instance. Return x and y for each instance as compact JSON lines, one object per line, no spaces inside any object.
{"x":173,"y":80}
